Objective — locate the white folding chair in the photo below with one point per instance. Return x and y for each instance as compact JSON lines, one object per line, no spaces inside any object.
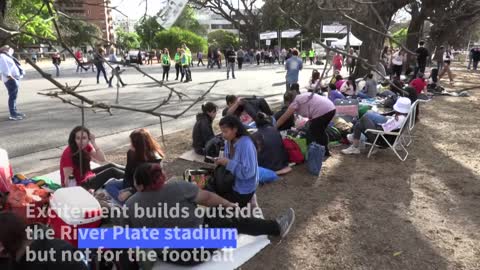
{"x":398,"y":145}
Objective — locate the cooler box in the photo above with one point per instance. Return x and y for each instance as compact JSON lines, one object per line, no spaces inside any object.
{"x":6,"y":172}
{"x":73,"y":208}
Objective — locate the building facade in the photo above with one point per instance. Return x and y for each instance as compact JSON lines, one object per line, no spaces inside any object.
{"x":92,"y":11}
{"x":213,"y":22}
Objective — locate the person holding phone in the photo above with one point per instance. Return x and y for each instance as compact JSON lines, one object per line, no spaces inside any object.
{"x":75,"y":160}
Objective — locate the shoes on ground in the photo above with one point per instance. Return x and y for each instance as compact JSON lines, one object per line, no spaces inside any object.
{"x":352,"y":150}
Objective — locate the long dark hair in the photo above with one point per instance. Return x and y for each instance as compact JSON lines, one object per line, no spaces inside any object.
{"x":231,"y":121}
{"x":75,"y":151}
{"x":263,"y":120}
{"x":145,"y":145}
{"x":150,"y":176}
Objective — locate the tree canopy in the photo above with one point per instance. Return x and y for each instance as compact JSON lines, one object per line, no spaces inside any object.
{"x":175,"y":37}
{"x":222,"y":39}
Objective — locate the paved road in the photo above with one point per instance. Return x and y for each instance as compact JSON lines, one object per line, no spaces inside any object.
{"x":45,"y":131}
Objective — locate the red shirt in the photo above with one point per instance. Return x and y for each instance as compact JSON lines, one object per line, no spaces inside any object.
{"x":66,"y":161}
{"x":419,"y":84}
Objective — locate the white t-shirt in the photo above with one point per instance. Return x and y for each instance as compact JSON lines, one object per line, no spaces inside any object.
{"x":347,"y":89}
{"x":397,"y":59}
{"x":9,"y":68}
{"x":393,"y":124}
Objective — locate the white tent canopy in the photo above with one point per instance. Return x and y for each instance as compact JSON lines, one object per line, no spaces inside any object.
{"x":354,"y":41}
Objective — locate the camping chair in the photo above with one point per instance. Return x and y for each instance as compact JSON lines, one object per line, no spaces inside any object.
{"x":400,"y":136}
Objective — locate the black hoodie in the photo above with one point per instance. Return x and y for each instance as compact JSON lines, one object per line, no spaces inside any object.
{"x":202,"y":133}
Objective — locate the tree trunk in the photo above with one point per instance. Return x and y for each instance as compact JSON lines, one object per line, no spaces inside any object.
{"x":413,"y":37}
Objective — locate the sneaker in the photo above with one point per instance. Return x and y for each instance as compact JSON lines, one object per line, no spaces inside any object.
{"x":285,"y":222}
{"x":22,"y":115}
{"x":15,"y":118}
{"x":352,"y":150}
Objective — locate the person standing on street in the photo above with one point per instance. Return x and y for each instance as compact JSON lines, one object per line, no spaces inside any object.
{"x":116,"y":70}
{"x":439,"y":58}
{"x":447,"y":60}
{"x":422,"y":56}
{"x":184,"y":62}
{"x":79,"y":57}
{"x":304,"y":56}
{"x":230,"y":60}
{"x":186,"y":68}
{"x":56,"y":60}
{"x":311,"y":55}
{"x":475,"y":57}
{"x":200,"y":58}
{"x":98,"y":61}
{"x":165,"y":63}
{"x":240,"y":58}
{"x":12,"y":72}
{"x":293,"y":67}
{"x":178,"y":63}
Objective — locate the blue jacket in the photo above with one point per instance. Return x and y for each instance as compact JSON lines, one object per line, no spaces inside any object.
{"x":243,"y":165}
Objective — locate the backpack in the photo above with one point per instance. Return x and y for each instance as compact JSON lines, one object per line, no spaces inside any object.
{"x":333,"y":134}
{"x":315,"y":158}
{"x":294,"y":152}
{"x":213,"y":148}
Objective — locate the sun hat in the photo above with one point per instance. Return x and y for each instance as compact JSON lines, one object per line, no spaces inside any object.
{"x":402,"y":105}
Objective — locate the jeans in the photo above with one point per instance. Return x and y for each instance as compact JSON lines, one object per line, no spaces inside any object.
{"x":376,"y":118}
{"x":316,"y":131}
{"x":101,"y":68}
{"x":113,"y":188}
{"x":57,"y":69}
{"x":12,"y":88}
{"x":230,"y":66}
{"x":178,"y":69}
{"x":475,"y":65}
{"x":118,"y":78}
{"x":363,"y":124}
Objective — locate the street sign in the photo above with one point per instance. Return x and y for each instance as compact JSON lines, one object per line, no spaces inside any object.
{"x":268,"y":42}
{"x":170,"y":12}
{"x":335,"y":29}
{"x":268,"y":35}
{"x":290,"y":33}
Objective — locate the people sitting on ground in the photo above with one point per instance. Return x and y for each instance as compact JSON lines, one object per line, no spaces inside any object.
{"x":246,"y":109}
{"x":314,"y":84}
{"x":348,"y":87}
{"x":153,"y":190}
{"x":290,"y":122}
{"x":16,"y":243}
{"x":397,"y":86}
{"x":419,"y":84}
{"x":271,"y":152}
{"x":370,"y":89}
{"x":338,"y":81}
{"x":334,"y":94}
{"x":319,"y":109}
{"x":372,"y":120}
{"x":202,"y":130}
{"x":75,"y":161}
{"x":143,"y":149}
{"x":240,"y":159}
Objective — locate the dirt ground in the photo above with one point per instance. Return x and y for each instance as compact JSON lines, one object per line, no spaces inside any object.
{"x":380,"y":213}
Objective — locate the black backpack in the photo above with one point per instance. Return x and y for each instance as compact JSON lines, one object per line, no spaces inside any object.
{"x":213,"y":148}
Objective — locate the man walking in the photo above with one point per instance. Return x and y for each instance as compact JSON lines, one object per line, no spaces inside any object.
{"x":11,"y":72}
{"x":240,"y":58}
{"x":200,"y":58}
{"x":311,"y":55}
{"x":230,"y":60}
{"x":422,"y":56}
{"x":293,"y":67}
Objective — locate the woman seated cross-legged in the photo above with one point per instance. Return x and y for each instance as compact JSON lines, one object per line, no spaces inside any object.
{"x":75,"y":160}
{"x":372,"y":120}
{"x":240,"y":159}
{"x":143,"y":149}
{"x":271,"y":152}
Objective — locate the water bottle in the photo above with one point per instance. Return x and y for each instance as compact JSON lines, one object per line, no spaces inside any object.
{"x":71,"y":181}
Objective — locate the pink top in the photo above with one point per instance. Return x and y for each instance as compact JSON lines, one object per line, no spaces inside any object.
{"x":66,"y":161}
{"x":312,"y":105}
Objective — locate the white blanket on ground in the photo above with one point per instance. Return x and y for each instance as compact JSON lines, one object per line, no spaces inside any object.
{"x":247,"y":247}
{"x":192,"y":156}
